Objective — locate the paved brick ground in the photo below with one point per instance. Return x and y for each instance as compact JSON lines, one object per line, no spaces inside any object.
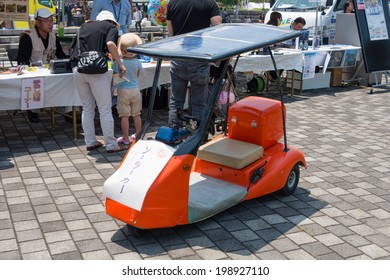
{"x":51,"y":202}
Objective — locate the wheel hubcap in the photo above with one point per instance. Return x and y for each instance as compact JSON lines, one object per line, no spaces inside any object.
{"x":291,"y":179}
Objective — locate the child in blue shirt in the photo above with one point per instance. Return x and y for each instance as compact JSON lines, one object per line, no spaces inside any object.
{"x":129,"y":95}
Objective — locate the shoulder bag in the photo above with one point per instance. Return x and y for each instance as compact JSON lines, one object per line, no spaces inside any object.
{"x":91,"y":62}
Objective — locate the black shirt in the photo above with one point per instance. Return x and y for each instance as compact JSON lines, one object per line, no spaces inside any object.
{"x":191,"y":15}
{"x":25,"y":48}
{"x":94,"y":36}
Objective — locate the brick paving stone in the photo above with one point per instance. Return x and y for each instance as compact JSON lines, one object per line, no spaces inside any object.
{"x":168,"y":240}
{"x":41,"y":255}
{"x":83,"y":234}
{"x":273,"y":219}
{"x":78,"y":224}
{"x":10,"y":255}
{"x":362,"y":230}
{"x":300,"y":238}
{"x":379,"y":239}
{"x":89,"y":245}
{"x":211,"y":254}
{"x":330,"y":256}
{"x":127,"y":256}
{"x":374,"y":251}
{"x":218,"y":234}
{"x":105,"y":226}
{"x":8,"y":245}
{"x":119,"y":247}
{"x":60,"y":247}
{"x":339,"y":230}
{"x":229,"y":245}
{"x":75,"y":255}
{"x":53,"y":226}
{"x":245,"y":235}
{"x":112,"y":236}
{"x":345,"y":250}
{"x":257,"y":224}
{"x":56,"y":236}
{"x":6,"y":234}
{"x":258,"y":246}
{"x":325,"y":221}
{"x":32,"y":246}
{"x":299,"y":254}
{"x":329,"y":239}
{"x":151,"y":249}
{"x":241,"y":255}
{"x":284,"y":244}
{"x":316,"y":249}
{"x":177,"y":252}
{"x":99,"y":217}
{"x":271,"y":255}
{"x":28,"y":235}
{"x":26,"y":225}
{"x":97,"y":255}
{"x":199,"y":242}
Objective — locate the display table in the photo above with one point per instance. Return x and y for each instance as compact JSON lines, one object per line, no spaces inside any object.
{"x":292,"y":60}
{"x":284,"y":59}
{"x":60,"y":90}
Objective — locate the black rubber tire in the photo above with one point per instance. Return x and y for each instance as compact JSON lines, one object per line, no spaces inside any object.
{"x":292,"y":181}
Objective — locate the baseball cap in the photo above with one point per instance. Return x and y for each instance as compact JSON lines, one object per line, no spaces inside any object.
{"x":42,"y":13}
{"x":106,"y":15}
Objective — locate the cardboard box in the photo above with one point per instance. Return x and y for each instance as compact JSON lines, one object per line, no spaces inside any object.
{"x":320,"y":80}
{"x":336,"y":77}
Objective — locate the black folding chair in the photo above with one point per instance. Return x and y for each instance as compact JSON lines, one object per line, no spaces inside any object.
{"x":12,"y":56}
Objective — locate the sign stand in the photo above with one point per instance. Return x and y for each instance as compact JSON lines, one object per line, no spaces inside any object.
{"x":373,"y":22}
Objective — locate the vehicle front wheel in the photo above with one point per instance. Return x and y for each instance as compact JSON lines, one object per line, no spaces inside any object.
{"x":292,"y":181}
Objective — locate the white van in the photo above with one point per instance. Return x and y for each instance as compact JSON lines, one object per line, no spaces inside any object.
{"x":326,"y":19}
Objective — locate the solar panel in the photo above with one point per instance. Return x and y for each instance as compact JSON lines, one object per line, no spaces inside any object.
{"x":217,"y":42}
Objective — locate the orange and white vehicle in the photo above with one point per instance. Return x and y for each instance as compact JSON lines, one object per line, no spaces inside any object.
{"x":169,"y":181}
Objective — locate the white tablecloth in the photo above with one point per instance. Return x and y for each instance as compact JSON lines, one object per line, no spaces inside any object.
{"x":60,"y":88}
{"x":287,"y":60}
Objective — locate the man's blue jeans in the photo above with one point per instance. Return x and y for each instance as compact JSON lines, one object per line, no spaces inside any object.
{"x":198,"y":74}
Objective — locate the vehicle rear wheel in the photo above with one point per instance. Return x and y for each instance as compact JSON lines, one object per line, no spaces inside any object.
{"x":292,"y":181}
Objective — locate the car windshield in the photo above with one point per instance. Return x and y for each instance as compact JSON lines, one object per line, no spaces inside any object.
{"x":296,"y":4}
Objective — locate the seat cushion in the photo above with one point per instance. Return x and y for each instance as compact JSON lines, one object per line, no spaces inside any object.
{"x":230,"y":152}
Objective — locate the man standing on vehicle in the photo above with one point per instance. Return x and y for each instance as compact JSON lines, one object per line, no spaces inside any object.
{"x":39,"y":45}
{"x":185,"y":16}
{"x":119,"y":8}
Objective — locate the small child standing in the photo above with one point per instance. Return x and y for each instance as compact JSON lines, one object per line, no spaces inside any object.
{"x":129,"y":95}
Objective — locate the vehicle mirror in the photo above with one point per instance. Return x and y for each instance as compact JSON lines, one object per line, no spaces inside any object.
{"x":329,"y":3}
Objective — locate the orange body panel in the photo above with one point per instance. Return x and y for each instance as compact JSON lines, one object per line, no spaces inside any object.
{"x":276,"y":170}
{"x":256,"y":120}
{"x":166,"y":203}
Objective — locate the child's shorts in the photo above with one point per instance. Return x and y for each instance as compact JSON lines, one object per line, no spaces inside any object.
{"x":129,"y":102}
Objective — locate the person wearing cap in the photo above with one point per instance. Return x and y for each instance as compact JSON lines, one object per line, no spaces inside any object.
{"x":95,"y":89}
{"x":129,"y":95}
{"x":39,"y":45}
{"x":119,"y":8}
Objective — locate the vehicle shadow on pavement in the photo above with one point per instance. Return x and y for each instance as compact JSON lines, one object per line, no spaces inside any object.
{"x":252,"y":229}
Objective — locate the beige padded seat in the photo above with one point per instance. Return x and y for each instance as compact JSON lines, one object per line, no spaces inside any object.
{"x":230,"y":152}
